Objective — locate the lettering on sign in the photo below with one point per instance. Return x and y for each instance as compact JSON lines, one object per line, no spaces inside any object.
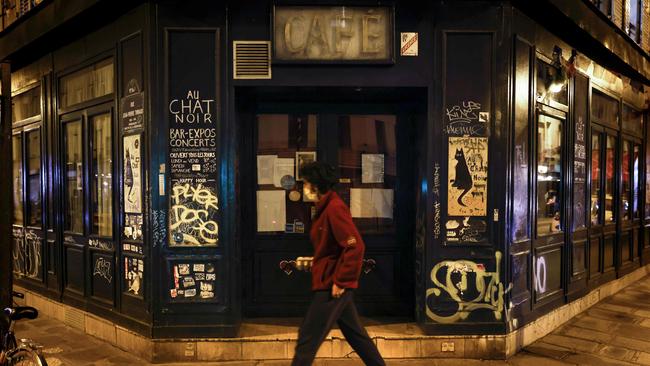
{"x":333,"y":33}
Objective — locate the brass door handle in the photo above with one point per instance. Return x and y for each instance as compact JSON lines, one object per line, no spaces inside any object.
{"x":304,"y":264}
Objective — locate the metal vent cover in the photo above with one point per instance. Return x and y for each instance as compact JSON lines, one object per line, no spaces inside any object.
{"x":74,"y":318}
{"x":251,"y":59}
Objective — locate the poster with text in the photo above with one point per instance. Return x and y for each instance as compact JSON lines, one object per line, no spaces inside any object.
{"x":132,"y":174}
{"x":467,"y":183}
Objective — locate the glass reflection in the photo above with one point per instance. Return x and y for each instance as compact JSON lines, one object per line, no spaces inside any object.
{"x":595,"y":179}
{"x":17,"y":178}
{"x":102,"y":177}
{"x":549,"y":175}
{"x":610,"y":178}
{"x":35,"y":207}
{"x":73,"y":160}
{"x":625,"y":189}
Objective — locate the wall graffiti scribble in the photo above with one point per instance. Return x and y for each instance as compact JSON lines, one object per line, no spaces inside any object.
{"x":192,"y":218}
{"x":453,"y":279}
{"x":27,"y":254}
{"x":103,"y":269}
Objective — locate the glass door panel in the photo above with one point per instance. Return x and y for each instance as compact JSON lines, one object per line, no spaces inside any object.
{"x":74,"y":176}
{"x":17,"y":177}
{"x":549,"y":175}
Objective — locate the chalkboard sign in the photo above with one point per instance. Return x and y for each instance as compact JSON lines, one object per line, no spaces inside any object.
{"x":193,"y":118}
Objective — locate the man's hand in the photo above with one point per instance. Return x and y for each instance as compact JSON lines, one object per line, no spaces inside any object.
{"x":337,"y":291}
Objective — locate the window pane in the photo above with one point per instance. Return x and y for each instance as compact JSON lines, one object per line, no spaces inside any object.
{"x":86,"y":84}
{"x":102,"y":177}
{"x":604,"y":108}
{"x":633,"y":21}
{"x":632,"y":119}
{"x":625,"y":189}
{"x":284,"y":141}
{"x":549,"y":175}
{"x":595,"y":179}
{"x":610,"y":178}
{"x":635,"y":181}
{"x":74,"y":177}
{"x":17,"y":178}
{"x":26,"y":105}
{"x":35,"y":206}
{"x":368,"y":158}
{"x":546,"y":76}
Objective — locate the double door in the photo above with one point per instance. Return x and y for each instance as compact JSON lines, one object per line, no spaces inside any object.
{"x":371,"y":147}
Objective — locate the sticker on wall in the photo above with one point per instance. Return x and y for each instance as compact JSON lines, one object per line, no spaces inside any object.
{"x":133,"y":275}
{"x":133,"y":226}
{"x":467,"y":184}
{"x":132,"y":174}
{"x":409,"y":44}
{"x":132,"y":107}
{"x":193,"y":281}
{"x":466,"y":230}
{"x":132,"y":248}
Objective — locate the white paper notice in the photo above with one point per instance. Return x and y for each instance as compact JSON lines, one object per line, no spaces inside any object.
{"x":271,"y":211}
{"x":283,"y":166}
{"x":373,"y":202}
{"x":265,"y":167}
{"x":372,"y":168}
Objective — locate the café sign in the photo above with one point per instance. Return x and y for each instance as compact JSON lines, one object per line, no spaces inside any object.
{"x":333,"y":33}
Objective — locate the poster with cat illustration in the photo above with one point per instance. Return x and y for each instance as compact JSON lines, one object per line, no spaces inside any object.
{"x":467,"y":184}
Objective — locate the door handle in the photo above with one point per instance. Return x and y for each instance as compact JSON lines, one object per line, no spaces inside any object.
{"x":304,"y":264}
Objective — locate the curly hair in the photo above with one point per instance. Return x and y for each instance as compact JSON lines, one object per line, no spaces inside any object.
{"x":322,"y":175}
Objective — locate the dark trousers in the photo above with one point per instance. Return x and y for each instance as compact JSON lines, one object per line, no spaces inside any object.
{"x":323,"y":312}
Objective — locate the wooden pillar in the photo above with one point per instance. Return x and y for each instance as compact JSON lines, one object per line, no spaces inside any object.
{"x":6,"y":202}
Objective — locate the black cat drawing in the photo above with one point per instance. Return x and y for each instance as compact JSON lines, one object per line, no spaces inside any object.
{"x":463,"y":179}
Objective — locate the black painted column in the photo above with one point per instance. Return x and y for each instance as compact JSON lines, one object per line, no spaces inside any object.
{"x":6,"y":208}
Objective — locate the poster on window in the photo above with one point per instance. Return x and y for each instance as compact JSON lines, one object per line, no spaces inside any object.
{"x":132,"y":174}
{"x":467,"y":183}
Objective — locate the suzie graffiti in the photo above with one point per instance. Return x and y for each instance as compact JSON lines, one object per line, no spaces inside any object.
{"x":467,"y":284}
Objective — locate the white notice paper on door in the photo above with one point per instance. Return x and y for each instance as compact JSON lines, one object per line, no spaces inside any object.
{"x":370,"y":203}
{"x":271,"y":211}
{"x":283,"y":166}
{"x":372,"y":168}
{"x":265,"y":168}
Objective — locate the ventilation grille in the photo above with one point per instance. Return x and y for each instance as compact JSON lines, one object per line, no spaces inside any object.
{"x":251,"y":59}
{"x":74,"y":318}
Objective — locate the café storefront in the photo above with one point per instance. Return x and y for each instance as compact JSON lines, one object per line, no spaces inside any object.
{"x":495,"y":171}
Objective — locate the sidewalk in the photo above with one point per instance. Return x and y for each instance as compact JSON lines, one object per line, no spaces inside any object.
{"x":615,"y":331}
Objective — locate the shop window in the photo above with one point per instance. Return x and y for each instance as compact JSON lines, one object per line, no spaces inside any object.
{"x":26,"y":105}
{"x":17,"y":178}
{"x":91,"y":82}
{"x":73,"y":160}
{"x":636,"y":186}
{"x":284,"y":142}
{"x":549,"y":175}
{"x":625,"y":187}
{"x":610,"y":178}
{"x":367,"y":157}
{"x":596,"y":201}
{"x":34,"y":197}
{"x":102,"y":175}
{"x":604,"y":109}
{"x":632,"y":120}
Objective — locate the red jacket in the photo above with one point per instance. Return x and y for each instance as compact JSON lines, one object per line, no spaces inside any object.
{"x":338,"y":247}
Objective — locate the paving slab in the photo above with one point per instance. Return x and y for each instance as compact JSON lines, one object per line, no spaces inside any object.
{"x":613,"y":332}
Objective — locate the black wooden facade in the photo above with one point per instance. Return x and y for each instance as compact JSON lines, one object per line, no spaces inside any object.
{"x":508,"y":199}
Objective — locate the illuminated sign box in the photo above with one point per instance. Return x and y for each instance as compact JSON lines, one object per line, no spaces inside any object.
{"x":333,"y":34}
